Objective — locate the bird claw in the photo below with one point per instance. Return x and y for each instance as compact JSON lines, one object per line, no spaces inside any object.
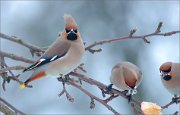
{"x":129,"y":98}
{"x":176,"y":99}
{"x":125,"y":92}
{"x":108,"y":89}
{"x":128,"y":94}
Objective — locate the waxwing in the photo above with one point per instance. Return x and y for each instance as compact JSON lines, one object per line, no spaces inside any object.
{"x":170,"y":76}
{"x":63,"y":56}
{"x":127,"y":77}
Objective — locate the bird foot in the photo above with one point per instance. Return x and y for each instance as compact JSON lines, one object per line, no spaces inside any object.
{"x":108,"y":89}
{"x":63,"y":80}
{"x":125,"y":92}
{"x":128,"y":94}
{"x":176,"y":99}
{"x":129,"y":98}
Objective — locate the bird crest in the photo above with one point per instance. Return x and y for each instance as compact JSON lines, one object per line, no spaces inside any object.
{"x":70,"y":22}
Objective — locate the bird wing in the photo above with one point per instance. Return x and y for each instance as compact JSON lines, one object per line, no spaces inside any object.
{"x":129,"y":78}
{"x":57,"y":50}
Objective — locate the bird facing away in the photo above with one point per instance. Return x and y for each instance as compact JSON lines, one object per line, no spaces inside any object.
{"x":126,"y":76}
{"x":170,"y":77}
{"x":63,"y":56}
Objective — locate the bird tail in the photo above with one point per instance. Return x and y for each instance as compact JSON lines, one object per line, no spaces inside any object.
{"x":35,"y":77}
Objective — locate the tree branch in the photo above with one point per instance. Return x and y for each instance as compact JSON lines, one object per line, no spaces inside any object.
{"x":8,"y":109}
{"x":21,"y":42}
{"x":11,"y":68}
{"x":15,"y":57}
{"x":89,"y":48}
{"x":93,"y":97}
{"x":130,"y":36}
{"x":171,"y":102}
{"x":114,"y":93}
{"x":101,"y":85}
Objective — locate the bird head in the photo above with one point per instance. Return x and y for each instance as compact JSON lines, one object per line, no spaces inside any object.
{"x":71,"y":29}
{"x":165,"y":71}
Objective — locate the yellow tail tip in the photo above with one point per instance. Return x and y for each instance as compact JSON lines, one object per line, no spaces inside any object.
{"x":22,"y":86}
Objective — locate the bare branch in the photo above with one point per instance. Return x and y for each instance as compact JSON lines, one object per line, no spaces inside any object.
{"x":136,"y":110}
{"x":175,"y":113}
{"x":92,"y":104}
{"x":81,"y":67}
{"x":12,"y":68}
{"x":21,"y":42}
{"x":94,"y":50}
{"x":146,"y":41}
{"x":132,"y":32}
{"x":101,"y":85}
{"x":171,"y":102}
{"x":8,"y":109}
{"x":114,"y":93}
{"x":110,"y":98}
{"x":14,"y":57}
{"x":68,"y":96}
{"x":93,"y":97}
{"x":130,"y":36}
{"x":158,"y":30}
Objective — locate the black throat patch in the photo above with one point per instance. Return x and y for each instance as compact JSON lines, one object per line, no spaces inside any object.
{"x":167,"y":77}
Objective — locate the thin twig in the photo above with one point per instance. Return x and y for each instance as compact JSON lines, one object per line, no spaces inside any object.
{"x":93,"y":97}
{"x":15,"y":57}
{"x":130,"y":36}
{"x":170,"y":103}
{"x":8,"y":109}
{"x":101,"y":85}
{"x":110,"y":98}
{"x":12,"y":68}
{"x":21,"y":42}
{"x":68,"y":96}
{"x":158,"y":30}
{"x":136,"y":110}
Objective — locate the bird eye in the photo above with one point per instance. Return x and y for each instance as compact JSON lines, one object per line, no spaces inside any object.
{"x":75,"y":31}
{"x":67,"y":31}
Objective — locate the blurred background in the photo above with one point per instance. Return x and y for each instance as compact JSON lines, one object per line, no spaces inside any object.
{"x":39,"y":23}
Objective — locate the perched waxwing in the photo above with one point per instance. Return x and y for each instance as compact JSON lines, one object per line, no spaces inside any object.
{"x":63,"y":56}
{"x":126,"y":76}
{"x":170,"y":76}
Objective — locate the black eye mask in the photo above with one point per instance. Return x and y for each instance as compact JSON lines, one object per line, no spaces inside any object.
{"x":167,"y":71}
{"x":68,"y":30}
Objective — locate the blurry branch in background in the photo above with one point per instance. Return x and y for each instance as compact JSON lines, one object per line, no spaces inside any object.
{"x":5,"y":70}
{"x":177,"y":100}
{"x":8,"y":109}
{"x":131,"y":35}
{"x":33,"y":49}
{"x":15,"y":57}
